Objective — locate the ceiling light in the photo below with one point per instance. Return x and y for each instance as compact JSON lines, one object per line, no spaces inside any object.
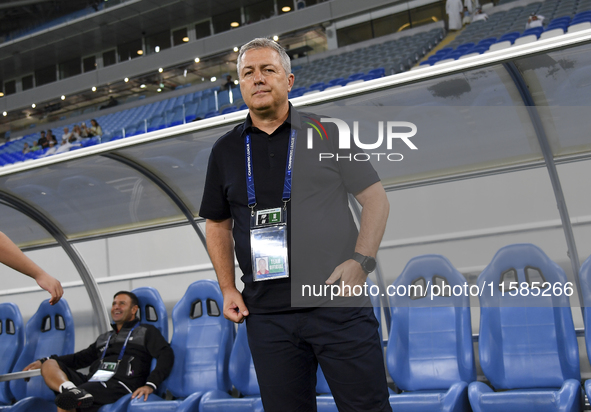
{"x":186,"y":39}
{"x":94,"y":88}
{"x":185,"y":73}
{"x":126,"y":79}
{"x":142,"y":86}
{"x":213,"y":79}
{"x":286,"y":9}
{"x":275,"y":38}
{"x":160,"y":70}
{"x":236,"y":82}
{"x":33,"y":105}
{"x":1,"y":94}
{"x":63,"y":97}
{"x":235,"y":49}
{"x":159,"y":90}
{"x":157,"y":49}
{"x":140,"y":52}
{"x":4,"y":114}
{"x":197,"y":60}
{"x":234,"y":24}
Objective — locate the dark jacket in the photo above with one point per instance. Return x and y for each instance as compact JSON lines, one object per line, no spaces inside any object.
{"x":146,"y":342}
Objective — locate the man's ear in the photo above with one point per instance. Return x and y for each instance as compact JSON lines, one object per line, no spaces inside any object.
{"x":134,"y":310}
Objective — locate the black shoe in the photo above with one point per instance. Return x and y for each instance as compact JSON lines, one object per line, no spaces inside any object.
{"x":74,"y":398}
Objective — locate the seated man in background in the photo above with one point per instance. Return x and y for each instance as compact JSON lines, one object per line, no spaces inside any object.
{"x":119,"y":362}
{"x":534,"y":20}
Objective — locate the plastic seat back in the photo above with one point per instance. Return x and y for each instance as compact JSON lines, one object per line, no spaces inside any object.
{"x":585,"y":281}
{"x":526,"y":341}
{"x":430,"y":343}
{"x":50,"y":331}
{"x":12,"y":339}
{"x":202,"y":341}
{"x":241,"y":369}
{"x":152,"y":309}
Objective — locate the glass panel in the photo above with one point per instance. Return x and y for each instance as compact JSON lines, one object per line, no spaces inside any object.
{"x":259,"y":11}
{"x":22,"y":230}
{"x":130,"y":50}
{"x":202,"y":29}
{"x":560,"y":83}
{"x":158,"y":42}
{"x":109,"y":58}
{"x":354,"y":34}
{"x":457,"y":120}
{"x":390,"y":24}
{"x":27,"y":82}
{"x":45,"y":75}
{"x":70,"y":68}
{"x":180,"y":36}
{"x":89,"y":63}
{"x":92,"y":196}
{"x":181,"y":162}
{"x":427,"y":14}
{"x":226,"y":21}
{"x":10,"y":87}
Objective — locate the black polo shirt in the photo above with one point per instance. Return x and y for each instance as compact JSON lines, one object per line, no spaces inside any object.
{"x":322,"y":225}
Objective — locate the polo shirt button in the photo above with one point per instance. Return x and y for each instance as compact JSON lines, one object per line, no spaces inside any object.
{"x":272,"y":155}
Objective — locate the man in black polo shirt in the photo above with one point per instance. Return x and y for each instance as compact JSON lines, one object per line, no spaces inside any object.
{"x":249,"y":207}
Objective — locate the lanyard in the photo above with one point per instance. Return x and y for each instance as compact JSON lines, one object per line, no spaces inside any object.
{"x":252,"y":201}
{"x":124,"y":345}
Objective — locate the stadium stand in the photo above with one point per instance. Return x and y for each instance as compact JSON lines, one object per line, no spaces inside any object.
{"x":12,"y":339}
{"x":506,"y":28}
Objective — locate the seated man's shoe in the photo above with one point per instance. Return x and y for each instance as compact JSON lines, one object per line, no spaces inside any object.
{"x":74,"y":398}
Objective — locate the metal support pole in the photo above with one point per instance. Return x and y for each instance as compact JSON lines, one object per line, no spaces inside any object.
{"x":551,"y":166}
{"x":89,"y":283}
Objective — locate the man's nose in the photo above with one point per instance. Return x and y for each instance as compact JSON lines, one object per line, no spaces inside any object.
{"x":258,"y":77}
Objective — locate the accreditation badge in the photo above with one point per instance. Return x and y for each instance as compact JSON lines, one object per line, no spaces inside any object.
{"x":105,"y":372}
{"x":268,"y":244}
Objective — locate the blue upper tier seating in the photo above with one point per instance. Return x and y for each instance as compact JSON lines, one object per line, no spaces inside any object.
{"x":430,"y":355}
{"x":12,"y":339}
{"x":528,"y":347}
{"x":202,"y":341}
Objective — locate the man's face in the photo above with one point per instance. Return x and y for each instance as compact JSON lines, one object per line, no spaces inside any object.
{"x":66,"y":130}
{"x":262,"y":265}
{"x":122,"y":311}
{"x":263,"y":82}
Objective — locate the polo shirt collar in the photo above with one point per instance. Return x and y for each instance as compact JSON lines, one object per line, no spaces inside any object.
{"x":293,"y":119}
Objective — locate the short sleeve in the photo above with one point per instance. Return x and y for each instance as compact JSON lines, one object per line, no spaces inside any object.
{"x":214,"y":204}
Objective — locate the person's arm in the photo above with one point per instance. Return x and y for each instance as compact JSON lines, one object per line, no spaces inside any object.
{"x":13,"y":257}
{"x":158,"y":348}
{"x":76,"y":360}
{"x":220,"y":246}
{"x":374,"y":216}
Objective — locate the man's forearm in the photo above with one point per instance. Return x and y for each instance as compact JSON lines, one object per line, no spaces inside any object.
{"x":220,"y":246}
{"x":374,"y":217}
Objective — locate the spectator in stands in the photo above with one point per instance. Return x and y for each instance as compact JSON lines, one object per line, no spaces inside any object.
{"x":76,"y":134}
{"x":454,"y":9}
{"x":534,"y":20}
{"x":64,"y":147}
{"x":11,"y":256}
{"x":52,"y":149}
{"x":95,"y":129}
{"x":119,"y":362}
{"x":83,"y":130}
{"x":479,"y":15}
{"x":35,"y":147}
{"x":67,"y":135}
{"x":26,"y":148}
{"x":229,"y":83}
{"x":51,"y":136}
{"x":111,"y":103}
{"x":467,"y":19}
{"x":43,"y":140}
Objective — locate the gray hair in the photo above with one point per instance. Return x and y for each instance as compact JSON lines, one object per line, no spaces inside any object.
{"x":263,"y":43}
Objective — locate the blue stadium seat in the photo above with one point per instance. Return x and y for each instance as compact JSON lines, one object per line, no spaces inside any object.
{"x":317,"y":86}
{"x":190,"y":112}
{"x":236,"y":94}
{"x":49,"y":331}
{"x":534,"y":30}
{"x":430,"y":355}
{"x":355,"y":76}
{"x":156,"y":123}
{"x":512,"y":36}
{"x":585,"y":281}
{"x":12,"y":339}
{"x":377,"y":73}
{"x":528,"y":347}
{"x":244,"y":379}
{"x":152,"y":309}
{"x":230,"y":109}
{"x":243,"y":107}
{"x":202,"y":341}
{"x":223,"y":99}
{"x":211,"y":114}
{"x":176,"y":118}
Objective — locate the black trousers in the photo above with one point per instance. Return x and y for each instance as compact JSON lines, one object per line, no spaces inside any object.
{"x":102,"y":392}
{"x":287,"y":348}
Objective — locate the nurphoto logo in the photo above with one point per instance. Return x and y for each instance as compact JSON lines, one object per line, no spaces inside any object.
{"x":390,"y":129}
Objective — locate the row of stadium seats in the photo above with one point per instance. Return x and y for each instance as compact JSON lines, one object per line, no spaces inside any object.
{"x":527,"y":343}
